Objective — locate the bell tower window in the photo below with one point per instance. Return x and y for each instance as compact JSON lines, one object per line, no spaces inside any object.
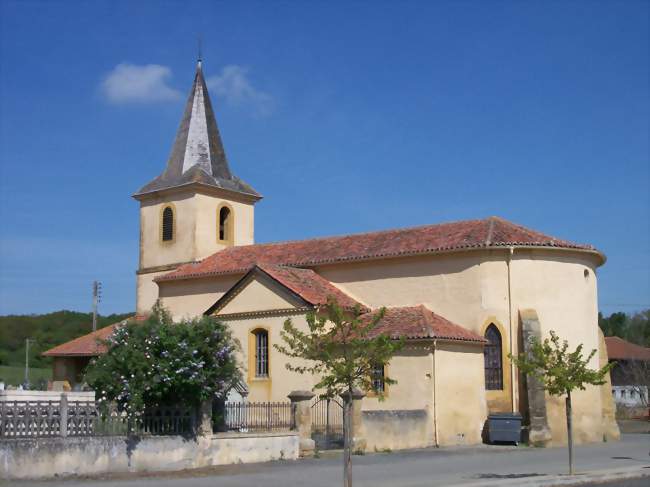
{"x":167,"y":224}
{"x":225,"y":224}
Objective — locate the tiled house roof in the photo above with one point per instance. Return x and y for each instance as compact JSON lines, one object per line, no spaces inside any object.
{"x":309,"y":286}
{"x":491,"y":232}
{"x":414,"y":322}
{"x":86,"y":345}
{"x":619,"y":349}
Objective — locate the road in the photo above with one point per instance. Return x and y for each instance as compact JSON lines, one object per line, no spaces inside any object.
{"x":414,"y":468}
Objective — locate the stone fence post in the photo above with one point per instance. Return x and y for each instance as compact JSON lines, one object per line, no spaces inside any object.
{"x":358,"y":431}
{"x":205,"y":419}
{"x":302,"y":419}
{"x":63,"y":415}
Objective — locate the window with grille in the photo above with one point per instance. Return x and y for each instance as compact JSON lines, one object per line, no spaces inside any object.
{"x":378,"y":384}
{"x":261,"y":353}
{"x":493,"y":359}
{"x":168,"y":224}
{"x":224,"y":223}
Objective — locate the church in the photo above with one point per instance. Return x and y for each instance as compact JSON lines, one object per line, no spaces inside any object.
{"x":462,"y":294}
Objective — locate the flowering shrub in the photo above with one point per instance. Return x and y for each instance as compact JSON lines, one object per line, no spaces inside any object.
{"x":159,"y":362}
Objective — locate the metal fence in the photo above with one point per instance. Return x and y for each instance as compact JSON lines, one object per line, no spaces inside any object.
{"x":327,"y":423}
{"x":25,"y":419}
{"x":259,"y":416}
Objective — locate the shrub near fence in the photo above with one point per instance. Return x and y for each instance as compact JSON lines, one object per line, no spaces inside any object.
{"x":259,"y":416}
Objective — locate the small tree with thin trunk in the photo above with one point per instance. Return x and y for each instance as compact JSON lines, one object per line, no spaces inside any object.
{"x":560,"y":372}
{"x":342,"y":351}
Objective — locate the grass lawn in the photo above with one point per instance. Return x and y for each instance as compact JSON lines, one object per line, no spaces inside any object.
{"x":16,"y":375}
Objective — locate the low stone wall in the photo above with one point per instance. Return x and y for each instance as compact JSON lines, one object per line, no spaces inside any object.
{"x":396,"y":429}
{"x":44,"y":396}
{"x":46,"y":457}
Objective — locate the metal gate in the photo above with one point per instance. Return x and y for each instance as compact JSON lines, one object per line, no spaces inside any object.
{"x":327,"y":423}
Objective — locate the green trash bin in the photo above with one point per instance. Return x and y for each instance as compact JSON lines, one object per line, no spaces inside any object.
{"x":504,"y":428}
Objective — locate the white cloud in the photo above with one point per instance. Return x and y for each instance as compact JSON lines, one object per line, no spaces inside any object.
{"x":128,"y":83}
{"x":234,"y":86}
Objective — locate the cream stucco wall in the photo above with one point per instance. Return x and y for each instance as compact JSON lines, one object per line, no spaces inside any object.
{"x":467,"y":288}
{"x":455,"y":369}
{"x":472,"y":289}
{"x":412,"y":369}
{"x":461,"y":407}
{"x":195,"y":232}
{"x":191,"y":298}
{"x":195,"y":235}
{"x":147,"y":291}
{"x":563,"y":291}
{"x":280,"y":381}
{"x":256,"y":296}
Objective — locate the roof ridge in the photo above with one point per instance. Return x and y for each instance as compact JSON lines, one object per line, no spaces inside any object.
{"x":463,"y":235}
{"x":488,"y":238}
{"x":357,"y":234}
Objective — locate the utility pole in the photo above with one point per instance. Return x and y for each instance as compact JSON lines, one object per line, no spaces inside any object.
{"x":97,"y":297}
{"x":26,"y":384}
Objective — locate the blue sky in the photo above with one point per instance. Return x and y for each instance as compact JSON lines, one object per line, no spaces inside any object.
{"x":348,"y":117}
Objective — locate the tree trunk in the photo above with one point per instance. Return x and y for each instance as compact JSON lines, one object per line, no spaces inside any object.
{"x":347,"y":440}
{"x":569,"y":431}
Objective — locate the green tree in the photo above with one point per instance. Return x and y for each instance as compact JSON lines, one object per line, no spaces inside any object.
{"x":342,"y":350}
{"x":45,"y":331}
{"x":614,"y":324}
{"x":158,"y":362}
{"x":634,"y":328}
{"x":638,"y":329}
{"x":561,"y":371}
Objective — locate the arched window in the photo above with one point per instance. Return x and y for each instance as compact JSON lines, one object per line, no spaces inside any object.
{"x":261,"y":353}
{"x":225,"y":224}
{"x":493,"y":359}
{"x":377,"y":379}
{"x":167,"y":224}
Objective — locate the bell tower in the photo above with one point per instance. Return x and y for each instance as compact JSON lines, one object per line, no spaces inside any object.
{"x":196,"y":207}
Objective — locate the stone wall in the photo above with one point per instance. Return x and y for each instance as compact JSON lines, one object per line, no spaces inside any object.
{"x":36,"y":396}
{"x":396,"y":430}
{"x":46,"y":457}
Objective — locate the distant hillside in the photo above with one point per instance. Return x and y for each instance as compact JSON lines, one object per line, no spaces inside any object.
{"x":47,"y":330}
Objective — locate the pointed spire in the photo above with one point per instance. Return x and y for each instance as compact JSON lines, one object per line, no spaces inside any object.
{"x":198,"y":154}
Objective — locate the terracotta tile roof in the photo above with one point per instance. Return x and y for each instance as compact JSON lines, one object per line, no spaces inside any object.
{"x":619,"y":349}
{"x":85,"y":345}
{"x":413,"y":322}
{"x":309,"y":286}
{"x":464,"y":235}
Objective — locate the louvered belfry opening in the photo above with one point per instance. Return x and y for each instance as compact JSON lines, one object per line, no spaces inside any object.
{"x":493,"y":359}
{"x":224,"y":223}
{"x":167,"y":224}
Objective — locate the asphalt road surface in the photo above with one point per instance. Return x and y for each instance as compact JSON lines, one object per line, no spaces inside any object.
{"x":414,"y":468}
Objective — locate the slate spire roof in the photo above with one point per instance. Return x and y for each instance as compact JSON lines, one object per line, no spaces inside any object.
{"x":197,"y":155}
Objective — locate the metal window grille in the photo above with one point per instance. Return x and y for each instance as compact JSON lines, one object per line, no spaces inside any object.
{"x":378,"y":384}
{"x":224,"y":222}
{"x":261,"y":353}
{"x":493,"y":359}
{"x":167,"y":224}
